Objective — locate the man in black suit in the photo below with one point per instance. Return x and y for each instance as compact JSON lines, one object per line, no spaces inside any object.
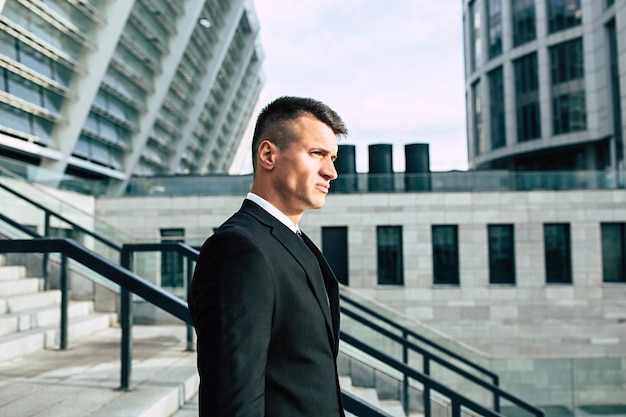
{"x":264,"y":302}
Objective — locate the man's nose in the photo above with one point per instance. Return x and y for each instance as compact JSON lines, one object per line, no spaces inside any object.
{"x":329,"y":169}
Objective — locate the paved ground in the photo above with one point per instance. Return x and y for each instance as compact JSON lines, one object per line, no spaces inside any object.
{"x":83,"y":381}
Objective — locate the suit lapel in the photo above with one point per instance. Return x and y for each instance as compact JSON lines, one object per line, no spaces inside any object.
{"x":305,"y":257}
{"x":330,"y":282}
{"x":317,"y":271}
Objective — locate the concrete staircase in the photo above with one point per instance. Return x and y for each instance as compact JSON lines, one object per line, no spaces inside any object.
{"x":374,"y":386}
{"x":39,"y":380}
{"x":30,"y":317}
{"x":370,"y":395}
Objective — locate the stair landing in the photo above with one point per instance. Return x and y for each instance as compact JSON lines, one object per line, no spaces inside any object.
{"x":84,"y":379}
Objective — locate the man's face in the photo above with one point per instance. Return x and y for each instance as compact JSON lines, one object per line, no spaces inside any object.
{"x":305,"y":168}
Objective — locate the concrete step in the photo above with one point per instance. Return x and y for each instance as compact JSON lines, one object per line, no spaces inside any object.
{"x":12,"y":272}
{"x":20,"y":286}
{"x":26,"y":302}
{"x":83,"y":380}
{"x":15,"y":345}
{"x":51,"y":316}
{"x":391,"y":407}
{"x":189,"y":409}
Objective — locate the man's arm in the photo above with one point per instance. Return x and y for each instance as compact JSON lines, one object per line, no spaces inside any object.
{"x":231,"y":301}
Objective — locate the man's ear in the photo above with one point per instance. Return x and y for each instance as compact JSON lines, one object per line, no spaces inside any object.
{"x":267,"y":155}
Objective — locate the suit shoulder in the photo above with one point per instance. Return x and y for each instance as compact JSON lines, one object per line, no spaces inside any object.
{"x":239,"y":229}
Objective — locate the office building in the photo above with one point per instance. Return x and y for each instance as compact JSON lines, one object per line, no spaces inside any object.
{"x":545,"y":84}
{"x":106,"y":90}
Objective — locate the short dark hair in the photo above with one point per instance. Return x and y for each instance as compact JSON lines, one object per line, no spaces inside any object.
{"x":271,"y":120}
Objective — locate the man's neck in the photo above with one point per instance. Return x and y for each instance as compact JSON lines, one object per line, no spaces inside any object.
{"x":273,"y":210}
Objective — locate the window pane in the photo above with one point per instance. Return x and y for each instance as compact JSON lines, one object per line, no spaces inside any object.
{"x":445,"y":255}
{"x":14,"y":118}
{"x":563,"y":14}
{"x":569,"y":112}
{"x":616,"y":99}
{"x":24,"y":89}
{"x":475,"y":41}
{"x":390,"y":268}
{"x":42,"y":128}
{"x":557,"y":253}
{"x":494,"y":15}
{"x":613,"y":252}
{"x":172,"y":262}
{"x":523,"y":14}
{"x":568,"y":87}
{"x":496,"y":107}
{"x":527,"y":98}
{"x":335,"y":250}
{"x":501,"y":254}
{"x":35,"y":60}
{"x":567,"y":62}
{"x":8,"y":45}
{"x":479,"y":137}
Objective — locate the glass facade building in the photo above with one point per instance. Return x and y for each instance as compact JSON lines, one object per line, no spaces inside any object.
{"x":549,"y":77}
{"x":106,"y":90}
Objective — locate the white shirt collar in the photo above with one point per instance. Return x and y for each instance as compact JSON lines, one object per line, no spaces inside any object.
{"x":267,"y":206}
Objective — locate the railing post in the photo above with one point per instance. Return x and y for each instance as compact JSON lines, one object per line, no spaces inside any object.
{"x":187,"y":285}
{"x":64,"y":284}
{"x":126,"y":343}
{"x":405,"y":378}
{"x":496,"y":395}
{"x":46,"y":255}
{"x":456,"y":408}
{"x":125,"y":323}
{"x":426,"y":389}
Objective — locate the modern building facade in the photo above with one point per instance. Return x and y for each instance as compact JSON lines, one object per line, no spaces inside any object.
{"x":530,"y":282}
{"x":110,"y":89}
{"x":545,"y":84}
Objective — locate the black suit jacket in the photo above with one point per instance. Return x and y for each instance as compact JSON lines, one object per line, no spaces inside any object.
{"x":265,"y":307}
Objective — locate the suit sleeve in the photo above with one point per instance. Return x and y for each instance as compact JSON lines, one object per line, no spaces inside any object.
{"x":231,"y":302}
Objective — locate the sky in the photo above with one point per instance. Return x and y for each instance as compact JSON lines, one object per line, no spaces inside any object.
{"x":392,"y":69}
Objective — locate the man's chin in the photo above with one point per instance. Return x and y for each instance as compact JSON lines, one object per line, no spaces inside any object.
{"x":317,"y":203}
{"x":320,"y":203}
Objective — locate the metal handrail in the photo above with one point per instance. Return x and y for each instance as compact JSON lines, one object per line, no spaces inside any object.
{"x":191,"y":254}
{"x":98,"y":263}
{"x":407,"y":331}
{"x":457,"y":400}
{"x":132,"y":283}
{"x":49,"y":212}
{"x":127,"y":280}
{"x":19,"y":226}
{"x":428,"y":356}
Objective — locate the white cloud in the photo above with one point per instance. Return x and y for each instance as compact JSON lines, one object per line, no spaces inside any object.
{"x":393,"y":69}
